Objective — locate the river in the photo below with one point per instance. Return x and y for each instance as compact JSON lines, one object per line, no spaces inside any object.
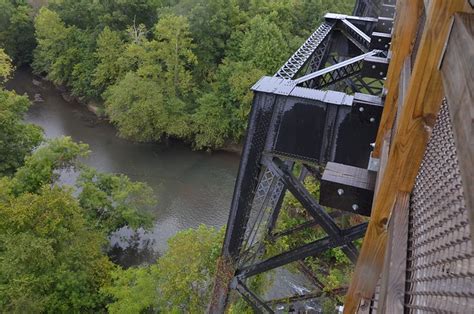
{"x":191,"y":187}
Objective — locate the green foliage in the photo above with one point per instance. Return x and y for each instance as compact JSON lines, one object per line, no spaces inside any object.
{"x":109,"y":51}
{"x":114,"y":201}
{"x":42,"y":167}
{"x":137,"y":106}
{"x":51,"y":260}
{"x":332,"y":268}
{"x":173,"y":68}
{"x":174,"y":50}
{"x":109,"y":201}
{"x":86,"y":14}
{"x":6,"y":66}
{"x":51,"y":34}
{"x":65,"y":53}
{"x":133,"y":290}
{"x":52,"y":237}
{"x":17,"y":139}
{"x":263,"y":45}
{"x":222,"y":113}
{"x":211,"y":23}
{"x":17,"y":30}
{"x":186,"y":271}
{"x":84,"y":64}
{"x":180,"y":281}
{"x":149,"y":103}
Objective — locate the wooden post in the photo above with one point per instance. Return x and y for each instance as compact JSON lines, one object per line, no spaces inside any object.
{"x":419,"y":112}
{"x":458,"y":81}
{"x":393,"y":297}
{"x":404,"y":37}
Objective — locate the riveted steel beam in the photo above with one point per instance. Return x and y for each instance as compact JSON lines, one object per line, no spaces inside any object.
{"x":337,"y":72}
{"x":311,"y":249}
{"x":303,"y":54}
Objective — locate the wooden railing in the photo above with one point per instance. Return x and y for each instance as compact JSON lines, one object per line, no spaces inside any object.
{"x":411,"y":107}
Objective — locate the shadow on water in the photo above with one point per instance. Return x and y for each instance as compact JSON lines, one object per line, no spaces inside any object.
{"x":135,"y":251}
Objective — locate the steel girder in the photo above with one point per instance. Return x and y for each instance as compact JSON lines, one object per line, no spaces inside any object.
{"x":336,"y":72}
{"x":265,"y":173}
{"x":354,"y":34}
{"x":282,"y":107}
{"x":301,"y":56}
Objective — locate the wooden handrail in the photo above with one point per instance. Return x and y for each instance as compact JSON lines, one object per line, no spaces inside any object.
{"x":403,"y":39}
{"x":417,"y":118}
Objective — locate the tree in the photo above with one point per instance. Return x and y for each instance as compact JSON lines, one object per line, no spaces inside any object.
{"x":127,"y":284}
{"x":81,"y":52}
{"x":264,"y":45}
{"x":17,"y":31}
{"x":51,"y":34}
{"x":83,"y":14}
{"x":17,"y":139}
{"x":223,"y":112}
{"x":51,"y":249}
{"x":152,"y":102}
{"x":120,"y":14}
{"x":136,"y":106}
{"x":211,"y":24}
{"x":6,"y":67}
{"x":109,"y":201}
{"x":51,"y":260}
{"x":174,"y":46}
{"x":114,"y":201}
{"x":212,"y":122}
{"x":42,"y":167}
{"x":109,"y":51}
{"x":180,"y":281}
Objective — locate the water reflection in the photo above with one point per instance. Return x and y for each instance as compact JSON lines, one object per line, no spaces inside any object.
{"x":131,"y":250}
{"x":192,"y":188}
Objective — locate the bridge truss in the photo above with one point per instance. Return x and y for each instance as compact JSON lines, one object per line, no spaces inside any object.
{"x":317,"y":116}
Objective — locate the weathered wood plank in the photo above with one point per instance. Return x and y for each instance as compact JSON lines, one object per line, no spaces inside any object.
{"x":458,"y":81}
{"x":383,"y":163}
{"x":404,"y":36}
{"x":394,"y":286}
{"x":417,"y":119}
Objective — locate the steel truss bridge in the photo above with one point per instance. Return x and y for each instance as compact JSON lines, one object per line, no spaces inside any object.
{"x":317,"y":116}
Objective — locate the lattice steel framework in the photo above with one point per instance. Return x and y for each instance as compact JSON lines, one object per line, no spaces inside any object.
{"x":317,"y":40}
{"x":293,"y":122}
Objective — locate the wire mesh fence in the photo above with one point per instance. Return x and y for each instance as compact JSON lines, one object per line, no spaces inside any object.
{"x":440,"y":260}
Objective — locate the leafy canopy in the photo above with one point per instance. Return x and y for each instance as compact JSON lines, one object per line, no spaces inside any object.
{"x":17,"y":139}
{"x":180,"y":281}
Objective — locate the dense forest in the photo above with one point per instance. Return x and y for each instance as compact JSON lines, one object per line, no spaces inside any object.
{"x":157,"y":69}
{"x":163,"y":68}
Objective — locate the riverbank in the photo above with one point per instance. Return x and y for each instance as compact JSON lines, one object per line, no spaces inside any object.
{"x":97,"y":108}
{"x":192,"y":187}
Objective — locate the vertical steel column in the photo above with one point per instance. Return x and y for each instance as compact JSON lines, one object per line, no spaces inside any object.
{"x":245,"y":186}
